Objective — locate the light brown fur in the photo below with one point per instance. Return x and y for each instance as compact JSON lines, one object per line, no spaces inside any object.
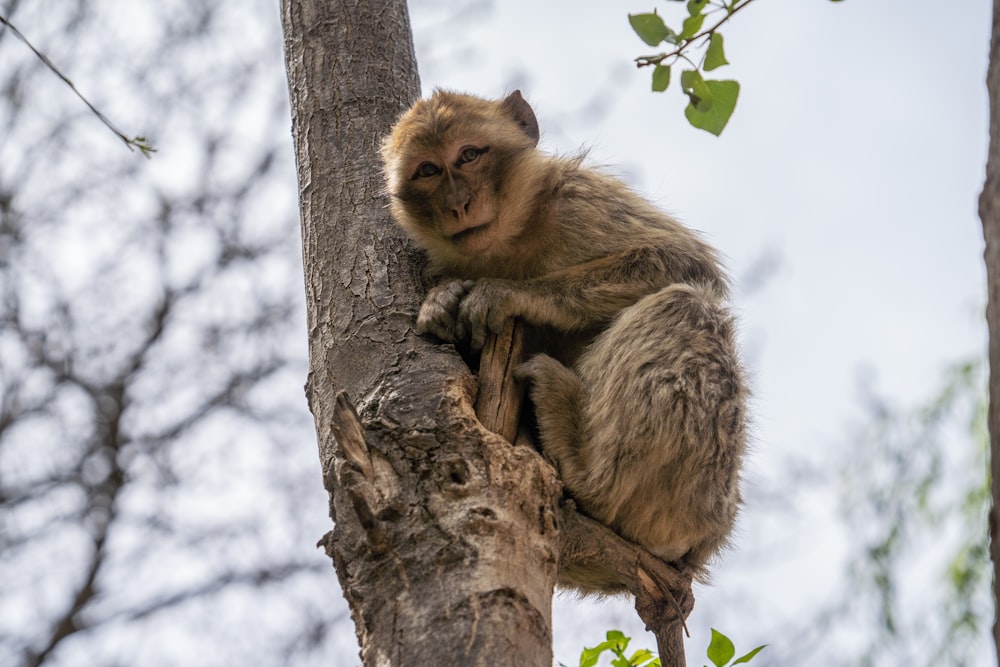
{"x":643,"y":412}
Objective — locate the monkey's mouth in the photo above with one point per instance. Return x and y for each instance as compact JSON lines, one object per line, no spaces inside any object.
{"x":464,"y":236}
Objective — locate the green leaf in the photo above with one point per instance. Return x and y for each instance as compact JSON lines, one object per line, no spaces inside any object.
{"x":720,"y":649}
{"x":692,"y":25}
{"x":640,"y":657}
{"x":749,"y":656}
{"x":651,"y":28}
{"x":620,"y":662}
{"x":714,"y":56}
{"x":697,"y":91}
{"x":661,"y":78}
{"x":590,"y":656}
{"x":696,"y":6}
{"x":714,"y":117}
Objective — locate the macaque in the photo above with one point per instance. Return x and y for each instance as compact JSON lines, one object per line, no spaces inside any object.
{"x":637,"y":387}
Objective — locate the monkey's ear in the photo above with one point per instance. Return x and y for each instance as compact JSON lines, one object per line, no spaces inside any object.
{"x":517,"y":108}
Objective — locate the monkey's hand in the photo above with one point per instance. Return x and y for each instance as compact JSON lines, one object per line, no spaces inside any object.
{"x":485,"y":308}
{"x":439,"y":313}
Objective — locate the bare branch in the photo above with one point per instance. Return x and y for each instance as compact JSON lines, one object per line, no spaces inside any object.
{"x":131,"y":142}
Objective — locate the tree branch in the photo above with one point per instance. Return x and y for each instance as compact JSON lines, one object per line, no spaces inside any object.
{"x":645,"y":61}
{"x":132,"y":142}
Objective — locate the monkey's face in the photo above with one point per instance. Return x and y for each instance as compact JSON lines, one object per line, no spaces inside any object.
{"x":452,"y":193}
{"x":448,"y":165}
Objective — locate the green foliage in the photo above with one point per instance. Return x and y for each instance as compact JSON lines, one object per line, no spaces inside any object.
{"x":714,"y":116}
{"x":712,"y":102}
{"x":661,"y":78}
{"x":697,"y":90}
{"x":144,"y":146}
{"x":651,"y":28}
{"x":922,"y":496}
{"x":715,"y":56}
{"x":720,"y":652}
{"x":692,"y":25}
{"x":616,"y":642}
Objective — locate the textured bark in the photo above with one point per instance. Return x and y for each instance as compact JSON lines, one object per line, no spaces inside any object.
{"x":989,"y":212}
{"x":498,"y":405}
{"x":445,"y":541}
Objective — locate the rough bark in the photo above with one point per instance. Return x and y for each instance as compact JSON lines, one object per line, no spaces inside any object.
{"x":444,"y":541}
{"x":989,"y":212}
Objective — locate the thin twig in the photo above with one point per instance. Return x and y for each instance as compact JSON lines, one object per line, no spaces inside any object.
{"x":132,"y":143}
{"x":644,"y":61}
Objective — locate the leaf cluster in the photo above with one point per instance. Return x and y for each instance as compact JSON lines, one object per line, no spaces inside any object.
{"x":710,"y":102}
{"x":720,"y":652}
{"x":616,"y":643}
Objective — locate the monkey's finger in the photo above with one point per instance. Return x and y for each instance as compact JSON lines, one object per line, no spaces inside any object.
{"x":461,"y":327}
{"x":447,"y":297}
{"x":496,"y":320}
{"x":432,"y":328}
{"x":466,"y":322}
{"x":470,"y":324}
{"x":455,"y":291}
{"x":437,"y":322}
{"x":478,"y":339}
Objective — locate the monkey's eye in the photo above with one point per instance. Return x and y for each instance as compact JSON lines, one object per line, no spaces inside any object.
{"x":469,"y":154}
{"x":426,"y":170}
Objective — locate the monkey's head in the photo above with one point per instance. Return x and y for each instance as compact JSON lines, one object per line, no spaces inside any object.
{"x":451,"y":166}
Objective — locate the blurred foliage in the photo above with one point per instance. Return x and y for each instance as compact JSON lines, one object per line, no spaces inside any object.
{"x":159,"y":494}
{"x":915,"y":502}
{"x":721,"y":652}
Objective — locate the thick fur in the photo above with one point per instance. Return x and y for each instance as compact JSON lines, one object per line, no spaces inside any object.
{"x":639,"y":394}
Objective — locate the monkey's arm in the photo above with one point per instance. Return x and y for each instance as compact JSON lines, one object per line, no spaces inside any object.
{"x":581,"y":296}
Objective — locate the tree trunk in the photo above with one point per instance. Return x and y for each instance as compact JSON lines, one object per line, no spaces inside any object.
{"x":445,"y":541}
{"x":989,"y":211}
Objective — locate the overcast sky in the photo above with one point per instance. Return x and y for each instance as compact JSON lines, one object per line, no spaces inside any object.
{"x":850,"y":172}
{"x":852,"y":165}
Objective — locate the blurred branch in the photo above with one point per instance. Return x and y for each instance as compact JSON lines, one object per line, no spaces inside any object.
{"x":147,"y":333}
{"x":70,"y":621}
{"x":132,"y":142}
{"x":254,"y":578}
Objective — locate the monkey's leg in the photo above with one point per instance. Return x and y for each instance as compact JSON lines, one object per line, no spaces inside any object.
{"x":556,"y":394}
{"x":664,"y":423}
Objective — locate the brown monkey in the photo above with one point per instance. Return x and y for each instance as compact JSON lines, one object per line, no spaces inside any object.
{"x":643,"y":412}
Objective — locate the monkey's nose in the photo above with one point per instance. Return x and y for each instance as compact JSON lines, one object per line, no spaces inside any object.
{"x":460,"y":207}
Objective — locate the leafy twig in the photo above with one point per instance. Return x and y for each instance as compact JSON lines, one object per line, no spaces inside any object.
{"x":644,"y":61}
{"x":132,"y":142}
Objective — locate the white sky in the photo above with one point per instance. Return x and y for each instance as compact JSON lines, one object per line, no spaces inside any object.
{"x":855,"y":156}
